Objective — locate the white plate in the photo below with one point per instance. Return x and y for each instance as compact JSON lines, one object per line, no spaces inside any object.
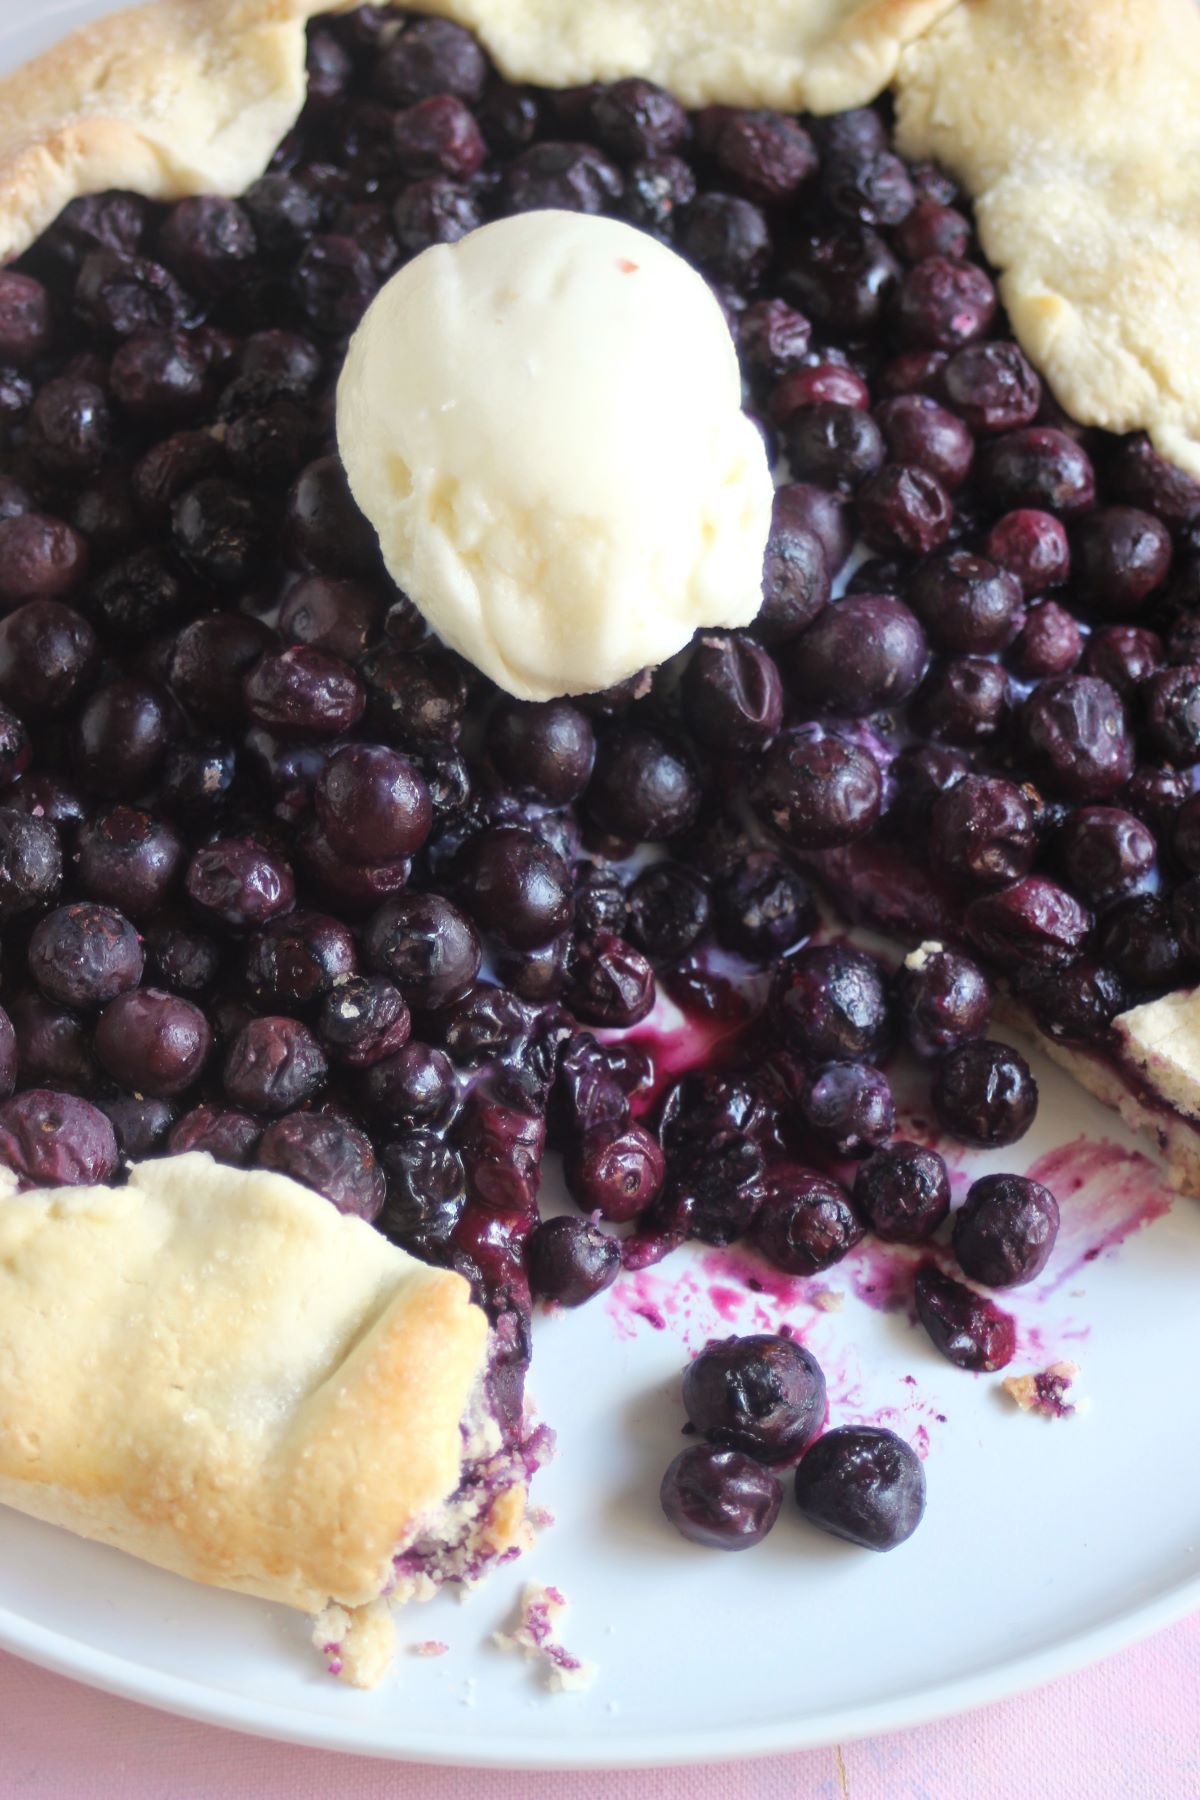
{"x":1045,"y":1544}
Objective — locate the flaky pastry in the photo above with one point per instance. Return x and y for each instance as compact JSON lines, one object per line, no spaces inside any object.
{"x":217,"y":1371}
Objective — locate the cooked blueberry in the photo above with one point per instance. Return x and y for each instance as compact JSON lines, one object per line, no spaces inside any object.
{"x":806,"y":1221}
{"x":763,"y":907}
{"x":228,"y":1137}
{"x":1036,"y":467}
{"x":923,"y":435}
{"x":829,"y":1003}
{"x":732,"y":695}
{"x":865,"y":653}
{"x":983,"y":830}
{"x":128,"y":860}
{"x":414,"y":1088}
{"x":1032,"y":921}
{"x":969,"y":1330}
{"x":1005,"y":1230}
{"x":762,"y":1395}
{"x":720,"y":1498}
{"x":962,"y":700}
{"x":849,"y":1109}
{"x":571,"y":1261}
{"x":326,"y":1155}
{"x":943,"y":1000}
{"x":84,"y":955}
{"x":426,"y":945}
{"x":49,"y":1139}
{"x":616,"y":1170}
{"x":1119,"y":556}
{"x":31,"y":864}
{"x":305,"y":690}
{"x":611,"y":983}
{"x":296,"y":960}
{"x":642,"y":785}
{"x":273,"y":1066}
{"x":53,"y":1049}
{"x":1104,"y":853}
{"x":817,"y":790}
{"x":965,"y":602}
{"x":362,"y":1020}
{"x":864,"y":1484}
{"x":121,"y":736}
{"x":240,"y":883}
{"x":668,"y":909}
{"x":545,"y":749}
{"x":984,"y":1093}
{"x":501,"y":1141}
{"x":47,"y":655}
{"x":153,"y":1042}
{"x":426,"y":1190}
{"x":903,"y":1192}
{"x":515,"y":887}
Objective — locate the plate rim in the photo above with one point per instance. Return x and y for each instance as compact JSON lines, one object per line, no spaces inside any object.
{"x":186,"y":1698}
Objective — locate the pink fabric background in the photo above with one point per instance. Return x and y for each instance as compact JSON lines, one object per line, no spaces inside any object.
{"x":1126,"y":1730}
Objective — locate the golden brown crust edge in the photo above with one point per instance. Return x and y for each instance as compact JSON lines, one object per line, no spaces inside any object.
{"x":229,"y":1380}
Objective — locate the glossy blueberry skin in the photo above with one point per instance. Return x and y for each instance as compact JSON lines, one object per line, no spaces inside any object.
{"x":615,"y":1170}
{"x":426,"y":945}
{"x":903,"y":1192}
{"x":1005,"y":1230}
{"x":984,"y":1093}
{"x":31,"y":864}
{"x":969,"y":1330}
{"x":153,"y":1042}
{"x":329,"y":1156}
{"x":806,"y":1221}
{"x":227,"y":1136}
{"x":864,"y":1484}
{"x":849,"y":1109}
{"x":571,"y":1261}
{"x":50,"y":1139}
{"x":722,"y":1499}
{"x":943,"y":999}
{"x":829,"y":1003}
{"x":764,"y":1395}
{"x":84,"y":955}
{"x":240,"y":883}
{"x":817,"y":790}
{"x":273,"y":1066}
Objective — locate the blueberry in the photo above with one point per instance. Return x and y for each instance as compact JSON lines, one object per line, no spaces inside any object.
{"x":720,"y":1498}
{"x":1005,"y":1230}
{"x":763,"y":1395}
{"x":864,"y":1484}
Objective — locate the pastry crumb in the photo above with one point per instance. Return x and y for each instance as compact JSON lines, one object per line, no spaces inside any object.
{"x":535,"y":1634}
{"x":428,"y":1647}
{"x":358,"y":1646}
{"x":827,"y":1299}
{"x":1046,"y":1391}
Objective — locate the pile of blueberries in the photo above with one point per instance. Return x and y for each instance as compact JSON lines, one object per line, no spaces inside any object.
{"x":759,"y":1403}
{"x":259,"y":832}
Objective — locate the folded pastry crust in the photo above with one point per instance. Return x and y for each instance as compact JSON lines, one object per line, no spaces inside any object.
{"x":215,"y":1370}
{"x":1076,"y":126}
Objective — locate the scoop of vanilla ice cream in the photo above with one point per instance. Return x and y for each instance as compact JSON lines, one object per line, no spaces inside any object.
{"x":543,"y":423}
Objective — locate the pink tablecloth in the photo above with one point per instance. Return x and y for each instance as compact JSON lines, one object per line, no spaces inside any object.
{"x":1127,"y":1730}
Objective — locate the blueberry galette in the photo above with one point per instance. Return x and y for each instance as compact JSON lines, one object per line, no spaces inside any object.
{"x":869,"y":412}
